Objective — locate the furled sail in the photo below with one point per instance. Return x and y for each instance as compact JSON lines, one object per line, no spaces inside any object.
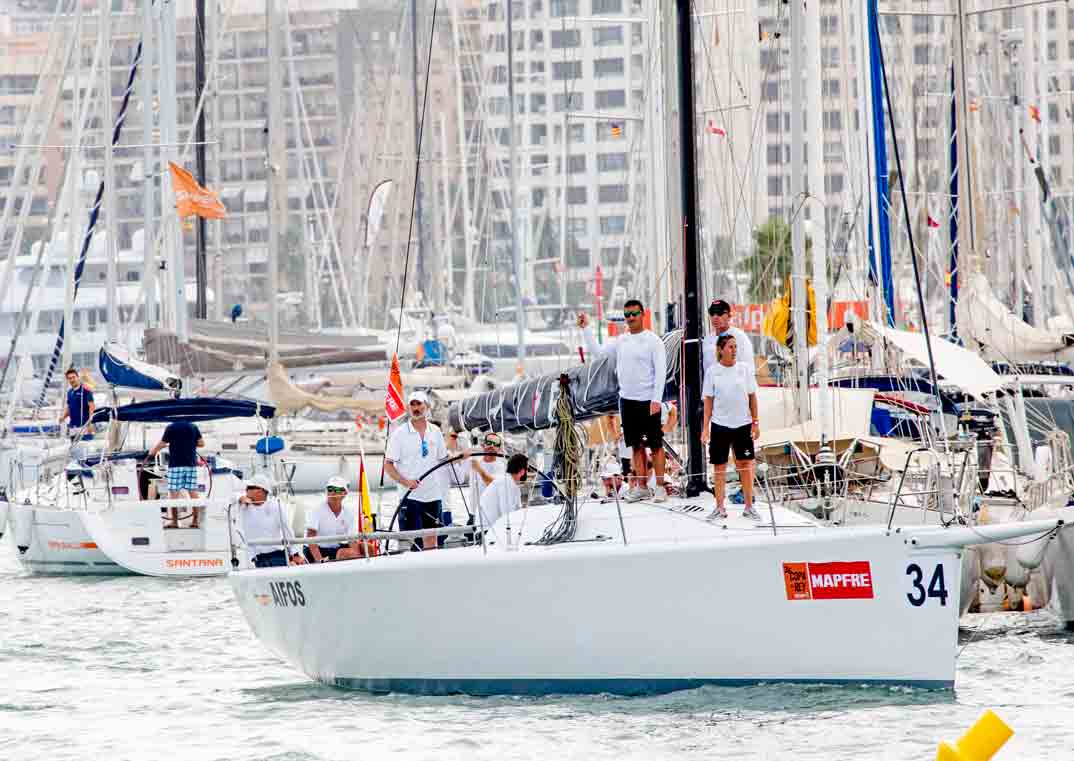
{"x":986,"y":325}
{"x":218,"y":347}
{"x":530,"y":405}
{"x":120,"y":369}
{"x":290,"y":398}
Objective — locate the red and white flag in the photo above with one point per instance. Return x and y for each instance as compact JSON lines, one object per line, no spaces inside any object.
{"x":712,"y":129}
{"x":932,"y":222}
{"x":393,"y":398}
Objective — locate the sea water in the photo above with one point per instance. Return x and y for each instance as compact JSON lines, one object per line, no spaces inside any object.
{"x":146,"y":669}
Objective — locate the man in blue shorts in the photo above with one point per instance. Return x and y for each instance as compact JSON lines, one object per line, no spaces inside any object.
{"x":182,"y":439}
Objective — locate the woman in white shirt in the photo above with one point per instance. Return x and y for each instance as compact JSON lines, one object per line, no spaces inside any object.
{"x":730,"y":393}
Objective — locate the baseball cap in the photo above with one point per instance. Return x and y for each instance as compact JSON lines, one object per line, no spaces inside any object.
{"x":336,"y":482}
{"x":719,"y":306}
{"x":610,"y":470}
{"x":261,"y":481}
{"x":417,"y":396}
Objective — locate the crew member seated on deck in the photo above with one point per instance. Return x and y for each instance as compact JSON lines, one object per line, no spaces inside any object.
{"x":263,"y":518}
{"x":330,"y":518}
{"x":504,"y":494}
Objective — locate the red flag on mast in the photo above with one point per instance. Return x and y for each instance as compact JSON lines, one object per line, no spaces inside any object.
{"x":393,"y":398}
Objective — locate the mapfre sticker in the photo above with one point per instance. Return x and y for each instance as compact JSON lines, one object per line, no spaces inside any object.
{"x":828,"y":581}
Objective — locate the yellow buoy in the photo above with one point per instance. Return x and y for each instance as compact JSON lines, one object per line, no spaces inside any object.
{"x":980,"y":743}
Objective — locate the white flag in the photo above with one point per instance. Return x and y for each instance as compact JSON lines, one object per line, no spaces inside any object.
{"x":378,"y":201}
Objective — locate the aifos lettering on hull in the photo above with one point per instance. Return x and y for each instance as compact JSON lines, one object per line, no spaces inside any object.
{"x":287,"y":594}
{"x":843,"y":580}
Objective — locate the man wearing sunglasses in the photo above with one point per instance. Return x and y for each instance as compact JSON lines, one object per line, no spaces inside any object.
{"x":413,"y":448}
{"x":263,"y":517}
{"x":641,"y":366}
{"x":504,"y":494}
{"x":330,"y":518}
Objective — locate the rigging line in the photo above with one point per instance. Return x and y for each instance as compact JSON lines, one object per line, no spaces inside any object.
{"x":417,"y":174}
{"x":906,"y":212}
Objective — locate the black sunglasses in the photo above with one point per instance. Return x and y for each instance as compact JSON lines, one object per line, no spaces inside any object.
{"x":632,"y":313}
{"x":336,"y":489}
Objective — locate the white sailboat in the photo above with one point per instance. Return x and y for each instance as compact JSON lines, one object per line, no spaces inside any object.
{"x":628,"y":598}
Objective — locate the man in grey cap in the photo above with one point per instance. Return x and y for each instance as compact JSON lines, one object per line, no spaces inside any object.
{"x":263,"y":518}
{"x":413,"y":448}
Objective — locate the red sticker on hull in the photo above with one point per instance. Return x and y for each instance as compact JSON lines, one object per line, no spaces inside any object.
{"x":841,"y":580}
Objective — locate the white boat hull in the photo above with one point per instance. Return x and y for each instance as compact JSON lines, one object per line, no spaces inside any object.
{"x":1058,"y":565}
{"x":57,"y":542}
{"x":598,"y":616}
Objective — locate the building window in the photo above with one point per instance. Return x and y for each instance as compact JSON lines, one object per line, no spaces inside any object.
{"x":537,"y":39}
{"x":611,"y":162}
{"x":607,"y":35}
{"x":611,"y":98}
{"x":612,"y":194}
{"x":608,"y":67}
{"x":601,"y":7}
{"x":576,"y":164}
{"x":538,"y":103}
{"x":576,"y":196}
{"x":834,"y":183}
{"x":566,"y":70}
{"x":576,"y":133}
{"x":538,"y":134}
{"x":773,"y":154}
{"x":577,"y":226}
{"x":775,"y":184}
{"x":1054,"y":145}
{"x":565,"y":38}
{"x":613,"y":225}
{"x":561,"y":8}
{"x":567,"y":102}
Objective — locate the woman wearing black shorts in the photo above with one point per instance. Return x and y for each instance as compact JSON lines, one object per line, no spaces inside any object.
{"x":730,"y":422}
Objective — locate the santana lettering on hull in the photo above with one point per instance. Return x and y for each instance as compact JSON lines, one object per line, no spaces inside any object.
{"x":828,"y":581}
{"x":57,"y":545}
{"x":286,"y":594}
{"x":195,"y":563}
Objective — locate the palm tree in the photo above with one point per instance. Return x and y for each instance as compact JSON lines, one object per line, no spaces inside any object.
{"x":769,"y":264}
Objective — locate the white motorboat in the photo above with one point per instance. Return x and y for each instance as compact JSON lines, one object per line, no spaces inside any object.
{"x":636,"y":614}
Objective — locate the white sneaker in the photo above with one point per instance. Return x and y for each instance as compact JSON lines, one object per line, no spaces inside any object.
{"x":660,"y":494}
{"x":718,"y":514}
{"x":637,"y":494}
{"x":749,"y":512}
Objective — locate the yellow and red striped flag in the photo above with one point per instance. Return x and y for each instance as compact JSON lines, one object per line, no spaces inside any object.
{"x":393,"y":398}
{"x":617,"y":130}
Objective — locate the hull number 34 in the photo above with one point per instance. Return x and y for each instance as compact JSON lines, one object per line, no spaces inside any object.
{"x":919,"y":593}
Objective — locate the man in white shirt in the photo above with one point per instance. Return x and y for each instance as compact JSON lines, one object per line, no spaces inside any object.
{"x":330,"y":518}
{"x":263,"y":518}
{"x":641,"y":367}
{"x":413,"y":449}
{"x":504,"y":495}
{"x":720,"y":321}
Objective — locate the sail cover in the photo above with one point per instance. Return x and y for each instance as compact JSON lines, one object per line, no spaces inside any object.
{"x":120,"y":369}
{"x":530,"y":405}
{"x":195,"y":410}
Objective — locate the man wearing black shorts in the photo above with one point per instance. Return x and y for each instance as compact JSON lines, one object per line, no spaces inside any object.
{"x":641,"y":367}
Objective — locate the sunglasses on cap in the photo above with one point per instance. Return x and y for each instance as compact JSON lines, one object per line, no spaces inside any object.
{"x":631,"y":313}
{"x":336,"y":489}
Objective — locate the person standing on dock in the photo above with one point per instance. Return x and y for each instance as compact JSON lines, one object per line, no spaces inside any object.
{"x":413,"y":448}
{"x":641,"y":367}
{"x":78,"y":408}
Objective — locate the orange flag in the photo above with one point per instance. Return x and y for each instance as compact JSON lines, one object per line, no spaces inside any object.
{"x":393,"y":398}
{"x":191,"y":198}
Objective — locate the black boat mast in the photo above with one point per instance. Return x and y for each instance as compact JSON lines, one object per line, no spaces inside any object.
{"x":691,"y":318}
{"x":201,"y":272}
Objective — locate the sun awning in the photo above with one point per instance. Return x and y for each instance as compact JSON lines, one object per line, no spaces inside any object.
{"x":955,"y":365}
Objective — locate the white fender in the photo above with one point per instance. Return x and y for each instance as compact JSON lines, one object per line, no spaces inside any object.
{"x":1031,"y":555}
{"x":1042,"y":462}
{"x":22,"y":526}
{"x":1016,"y":574}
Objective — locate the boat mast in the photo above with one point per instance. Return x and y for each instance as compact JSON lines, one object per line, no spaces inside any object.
{"x":201,"y":274}
{"x":516,"y":253}
{"x":799,"y":318}
{"x":277,"y":169}
{"x":691,"y":318}
{"x":819,"y":213}
{"x":149,"y":259}
{"x":104,"y":30}
{"x":419,"y":259}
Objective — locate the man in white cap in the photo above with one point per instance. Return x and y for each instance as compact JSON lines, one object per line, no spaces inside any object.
{"x":330,"y":518}
{"x":263,"y":518}
{"x":413,"y":448}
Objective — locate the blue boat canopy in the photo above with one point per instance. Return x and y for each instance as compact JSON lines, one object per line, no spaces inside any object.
{"x":195,"y":410}
{"x":120,"y":369}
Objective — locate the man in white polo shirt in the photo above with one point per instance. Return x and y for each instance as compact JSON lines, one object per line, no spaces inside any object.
{"x":413,"y":449}
{"x":720,"y":322}
{"x":263,"y":518}
{"x":504,"y":494}
{"x":330,"y":518}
